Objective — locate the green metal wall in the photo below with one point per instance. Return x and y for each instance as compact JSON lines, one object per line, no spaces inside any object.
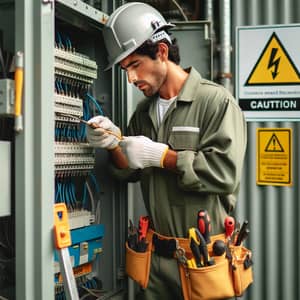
{"x":273,"y":212}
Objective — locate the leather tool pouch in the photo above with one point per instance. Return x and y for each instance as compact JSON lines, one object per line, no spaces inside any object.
{"x":138,"y":264}
{"x":226,"y":278}
{"x":242,"y":270}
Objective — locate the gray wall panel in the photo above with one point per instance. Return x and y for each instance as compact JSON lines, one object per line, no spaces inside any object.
{"x":273,"y":212}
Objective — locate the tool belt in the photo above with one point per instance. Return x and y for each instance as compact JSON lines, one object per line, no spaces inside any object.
{"x":229,"y":276}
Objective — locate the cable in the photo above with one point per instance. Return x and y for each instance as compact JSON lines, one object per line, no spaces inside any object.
{"x":96,"y":103}
{"x":180,"y":10}
{"x":91,"y":292}
{"x":91,"y":197}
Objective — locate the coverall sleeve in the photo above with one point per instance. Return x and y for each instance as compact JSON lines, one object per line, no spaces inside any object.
{"x":217,"y":165}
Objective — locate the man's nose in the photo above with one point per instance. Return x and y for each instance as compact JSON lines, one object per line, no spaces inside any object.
{"x":131,"y":76}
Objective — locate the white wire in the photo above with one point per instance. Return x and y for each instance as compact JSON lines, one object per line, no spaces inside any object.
{"x":98,"y":212}
{"x":91,"y":196}
{"x":180,"y":9}
{"x":91,"y":292}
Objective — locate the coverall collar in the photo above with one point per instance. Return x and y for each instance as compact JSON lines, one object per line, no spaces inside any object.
{"x":187,"y":94}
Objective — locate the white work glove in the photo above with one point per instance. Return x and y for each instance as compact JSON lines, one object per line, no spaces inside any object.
{"x":98,"y":138}
{"x":141,"y":152}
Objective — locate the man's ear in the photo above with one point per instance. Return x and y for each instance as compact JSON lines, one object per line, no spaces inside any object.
{"x":163,"y":51}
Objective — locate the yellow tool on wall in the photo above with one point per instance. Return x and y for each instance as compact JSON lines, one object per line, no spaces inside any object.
{"x":62,"y":238}
{"x":19,"y":75}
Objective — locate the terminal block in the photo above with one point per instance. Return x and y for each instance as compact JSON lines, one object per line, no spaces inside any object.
{"x":73,"y":157}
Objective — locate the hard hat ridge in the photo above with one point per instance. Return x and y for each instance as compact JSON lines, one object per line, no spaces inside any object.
{"x":129,"y":27}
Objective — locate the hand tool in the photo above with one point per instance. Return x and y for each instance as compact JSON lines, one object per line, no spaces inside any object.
{"x":62,"y":238}
{"x":180,"y":254}
{"x":90,"y":124}
{"x":242,"y":232}
{"x":19,"y":76}
{"x":242,"y":236}
{"x":195,"y":233}
{"x":182,"y":258}
{"x":132,"y":236}
{"x":204,"y":226}
{"x":236,"y":232}
{"x":143,"y":228}
{"x":194,"y":245}
{"x":219,"y":248}
{"x":229,"y":224}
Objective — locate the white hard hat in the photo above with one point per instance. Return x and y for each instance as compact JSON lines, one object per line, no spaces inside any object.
{"x":129,"y":27}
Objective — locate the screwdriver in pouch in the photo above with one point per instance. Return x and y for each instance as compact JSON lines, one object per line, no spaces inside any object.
{"x":204,"y":225}
{"x":243,"y":234}
{"x":132,"y":236}
{"x":229,"y":224}
{"x":143,"y":228}
{"x":194,"y":245}
{"x":194,"y":232}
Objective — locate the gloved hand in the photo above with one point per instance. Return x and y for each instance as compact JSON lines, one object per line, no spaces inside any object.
{"x":98,"y":138}
{"x":141,"y":152}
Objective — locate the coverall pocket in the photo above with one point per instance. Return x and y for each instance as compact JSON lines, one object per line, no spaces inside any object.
{"x":138,"y":265}
{"x":184,"y":140}
{"x":242,"y":269}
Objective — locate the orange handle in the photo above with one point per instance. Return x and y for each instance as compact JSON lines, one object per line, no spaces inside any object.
{"x":62,"y":236}
{"x":19,"y":76}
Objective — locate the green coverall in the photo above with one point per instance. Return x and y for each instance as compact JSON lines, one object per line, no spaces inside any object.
{"x":207,"y":129}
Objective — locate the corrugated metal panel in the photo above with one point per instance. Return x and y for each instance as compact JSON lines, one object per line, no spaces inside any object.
{"x":273,"y":212}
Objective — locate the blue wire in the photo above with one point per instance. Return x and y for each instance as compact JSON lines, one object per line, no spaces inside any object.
{"x":59,"y":38}
{"x":73,"y":193}
{"x":60,"y":198}
{"x":68,"y":195}
{"x":93,"y":177}
{"x":96,"y":103}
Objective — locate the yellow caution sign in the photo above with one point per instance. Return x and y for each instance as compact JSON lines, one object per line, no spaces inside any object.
{"x":273,"y":156}
{"x":274,"y":66}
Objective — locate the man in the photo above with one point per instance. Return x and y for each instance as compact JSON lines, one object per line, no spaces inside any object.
{"x":185,"y":142}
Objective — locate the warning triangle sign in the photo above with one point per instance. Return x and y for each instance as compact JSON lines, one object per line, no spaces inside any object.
{"x":274,"y":66}
{"x":274,"y":145}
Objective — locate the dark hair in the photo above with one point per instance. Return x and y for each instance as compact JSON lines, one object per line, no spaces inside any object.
{"x":150,"y":49}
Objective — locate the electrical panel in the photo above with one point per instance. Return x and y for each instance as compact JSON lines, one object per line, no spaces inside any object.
{"x":81,"y":92}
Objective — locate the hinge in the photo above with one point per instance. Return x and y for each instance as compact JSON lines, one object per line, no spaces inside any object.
{"x":48,"y":1}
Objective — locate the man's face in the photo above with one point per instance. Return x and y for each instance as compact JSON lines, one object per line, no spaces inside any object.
{"x":146,"y":74}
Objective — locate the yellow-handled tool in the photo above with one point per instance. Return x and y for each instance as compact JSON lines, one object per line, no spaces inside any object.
{"x":62,"y":239}
{"x":19,"y":77}
{"x":91,"y":124}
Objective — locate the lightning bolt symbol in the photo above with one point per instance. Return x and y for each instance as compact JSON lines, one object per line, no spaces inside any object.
{"x":274,"y":62}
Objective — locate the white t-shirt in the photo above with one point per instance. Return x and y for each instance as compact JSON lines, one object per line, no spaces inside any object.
{"x":162,"y":107}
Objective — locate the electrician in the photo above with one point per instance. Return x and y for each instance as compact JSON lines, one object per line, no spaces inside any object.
{"x":185,"y":142}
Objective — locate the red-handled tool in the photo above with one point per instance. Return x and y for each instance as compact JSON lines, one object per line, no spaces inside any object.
{"x":229,"y":224}
{"x":204,"y":226}
{"x":143,"y":227}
